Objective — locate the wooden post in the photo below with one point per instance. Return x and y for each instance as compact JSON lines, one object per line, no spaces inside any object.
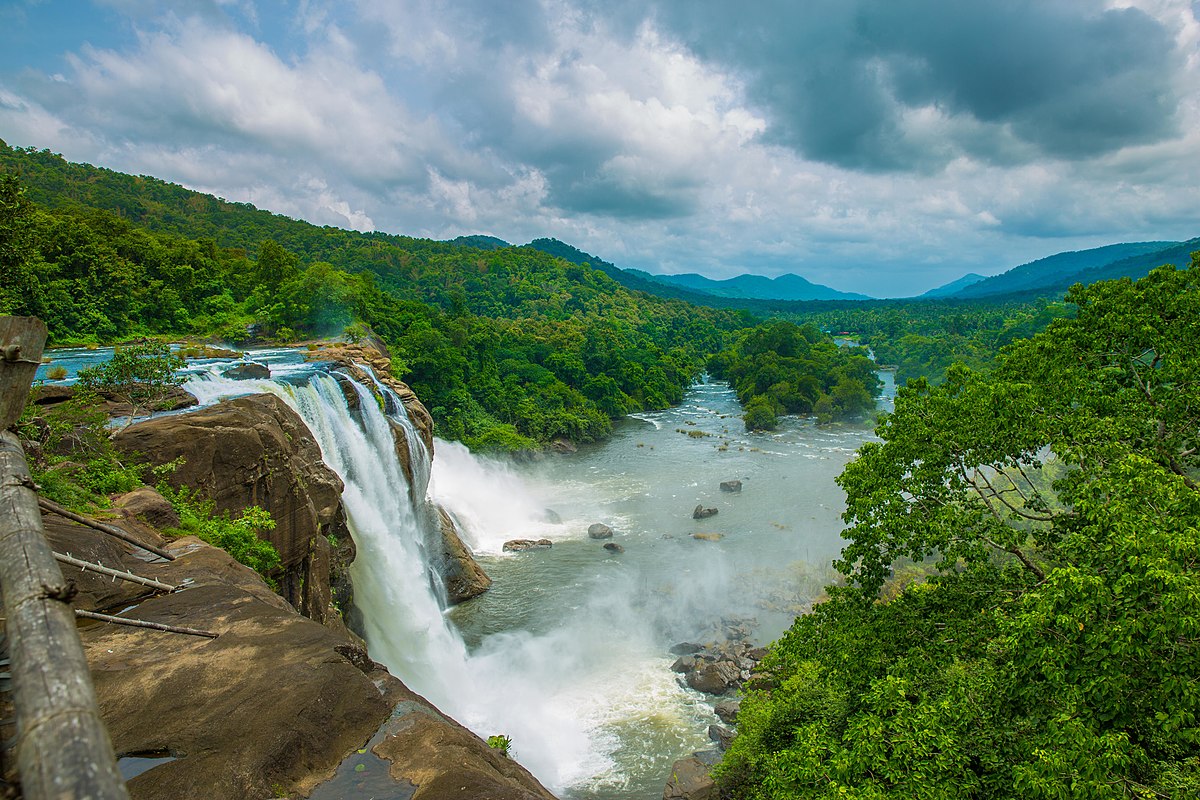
{"x":63,"y":749}
{"x":21,"y":343}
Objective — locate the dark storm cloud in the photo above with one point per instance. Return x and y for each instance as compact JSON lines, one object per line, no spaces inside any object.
{"x":1064,"y":77}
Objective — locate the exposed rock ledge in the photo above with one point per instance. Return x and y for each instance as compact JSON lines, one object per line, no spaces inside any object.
{"x":257,"y":451}
{"x":271,"y":706}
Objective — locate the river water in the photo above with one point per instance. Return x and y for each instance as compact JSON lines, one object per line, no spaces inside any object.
{"x":568,"y":652}
{"x":587,"y":632}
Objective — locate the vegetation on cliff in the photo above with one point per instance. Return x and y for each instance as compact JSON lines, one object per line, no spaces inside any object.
{"x":1055,"y":650}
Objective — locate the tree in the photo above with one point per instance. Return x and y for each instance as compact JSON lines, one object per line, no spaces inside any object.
{"x":141,"y":375}
{"x":1055,"y":649}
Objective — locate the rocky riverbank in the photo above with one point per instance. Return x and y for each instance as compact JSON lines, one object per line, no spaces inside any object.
{"x":284,"y":693}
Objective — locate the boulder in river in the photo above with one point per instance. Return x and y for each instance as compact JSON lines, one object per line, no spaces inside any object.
{"x":551,"y":516}
{"x":686,"y":648}
{"x":598,"y":530}
{"x":248,"y":370}
{"x":700,"y":512}
{"x":731,"y":486}
{"x":721,"y":735}
{"x":690,"y":780}
{"x":517,"y":545}
{"x":727,"y":711}
{"x":714,"y":677}
{"x":613,"y":547}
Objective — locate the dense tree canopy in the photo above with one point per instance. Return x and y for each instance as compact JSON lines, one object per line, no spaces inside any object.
{"x":1055,"y":650}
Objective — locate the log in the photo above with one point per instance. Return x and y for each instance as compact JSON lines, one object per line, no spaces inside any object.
{"x":63,"y":749}
{"x":141,"y":623}
{"x":55,"y":508}
{"x":114,"y":573}
{"x":21,"y":343}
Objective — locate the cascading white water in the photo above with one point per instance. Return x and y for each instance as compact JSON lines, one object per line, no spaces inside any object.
{"x":537,"y":689}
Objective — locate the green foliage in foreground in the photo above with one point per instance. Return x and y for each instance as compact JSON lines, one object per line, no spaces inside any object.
{"x":1055,"y":652}
{"x":782,"y":368}
{"x":238,"y":537}
{"x":71,"y":457}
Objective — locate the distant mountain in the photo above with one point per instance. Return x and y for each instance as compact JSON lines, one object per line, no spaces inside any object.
{"x":759,"y":287}
{"x":634,"y":279}
{"x":479,"y":242}
{"x":954,"y":286}
{"x":1058,"y":272}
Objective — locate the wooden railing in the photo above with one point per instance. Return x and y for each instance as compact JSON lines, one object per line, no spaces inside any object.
{"x":63,"y":751}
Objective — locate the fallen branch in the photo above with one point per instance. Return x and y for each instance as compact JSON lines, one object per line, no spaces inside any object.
{"x":115,"y":573}
{"x":141,"y":623}
{"x":55,"y":508}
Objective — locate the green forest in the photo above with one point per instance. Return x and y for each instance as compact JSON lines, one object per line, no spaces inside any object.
{"x":510,"y":348}
{"x":1044,"y":641}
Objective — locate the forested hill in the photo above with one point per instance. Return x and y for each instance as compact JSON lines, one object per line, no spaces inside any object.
{"x":508,"y":346}
{"x":1055,"y":274}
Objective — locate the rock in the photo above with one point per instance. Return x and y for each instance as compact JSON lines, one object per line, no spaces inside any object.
{"x":269,"y":703}
{"x":684,"y":664}
{"x":149,"y":506}
{"x":700,"y":512}
{"x":51,"y":394}
{"x":598,"y":530}
{"x":256,"y":451}
{"x":350,"y":357}
{"x":690,"y":781}
{"x":613,"y":547}
{"x":727,"y":711}
{"x":445,"y":761}
{"x":248,"y":370}
{"x":463,"y":577}
{"x":714,"y":678}
{"x":518,"y":545}
{"x":563,"y":446}
{"x":756,"y":653}
{"x":721,"y":735}
{"x":707,"y":537}
{"x":274,"y":704}
{"x":709,"y":757}
{"x":731,"y":486}
{"x":551,"y":516}
{"x":686,"y":648}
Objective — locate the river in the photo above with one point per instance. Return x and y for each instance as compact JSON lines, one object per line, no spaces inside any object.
{"x":587,"y":632}
{"x":569,"y":652}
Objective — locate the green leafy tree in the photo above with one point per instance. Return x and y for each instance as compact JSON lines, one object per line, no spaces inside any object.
{"x":1054,"y":650}
{"x":141,"y":375}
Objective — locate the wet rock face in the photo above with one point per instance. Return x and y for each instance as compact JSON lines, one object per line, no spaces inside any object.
{"x":349,"y":357}
{"x":463,"y":576}
{"x":257,"y":451}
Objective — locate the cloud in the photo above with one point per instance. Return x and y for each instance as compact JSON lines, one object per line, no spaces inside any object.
{"x":875,"y":145}
{"x":841,"y":79}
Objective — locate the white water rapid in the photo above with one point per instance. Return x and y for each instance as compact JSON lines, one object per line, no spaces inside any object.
{"x":523,"y":686}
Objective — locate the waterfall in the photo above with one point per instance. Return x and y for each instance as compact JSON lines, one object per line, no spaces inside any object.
{"x":517,"y":684}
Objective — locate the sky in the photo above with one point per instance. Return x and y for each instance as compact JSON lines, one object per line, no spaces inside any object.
{"x":879,"y":146}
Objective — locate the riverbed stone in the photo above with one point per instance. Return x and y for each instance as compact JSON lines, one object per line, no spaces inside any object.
{"x":721,"y":735}
{"x":690,"y":780}
{"x":727,"y":711}
{"x":519,"y":545}
{"x":613,"y":547}
{"x":733,"y":486}
{"x":249,"y":370}
{"x":714,"y":678}
{"x":598,"y":530}
{"x":700,"y":512}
